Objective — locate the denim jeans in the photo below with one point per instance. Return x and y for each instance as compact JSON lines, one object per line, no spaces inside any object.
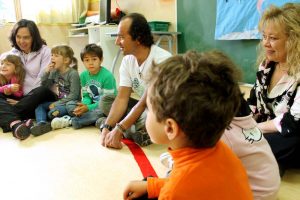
{"x":88,"y":118}
{"x":42,"y":111}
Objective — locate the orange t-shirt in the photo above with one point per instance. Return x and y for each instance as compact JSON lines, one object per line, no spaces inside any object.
{"x":211,"y":173}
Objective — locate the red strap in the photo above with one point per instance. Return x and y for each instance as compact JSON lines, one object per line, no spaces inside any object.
{"x":141,"y":158}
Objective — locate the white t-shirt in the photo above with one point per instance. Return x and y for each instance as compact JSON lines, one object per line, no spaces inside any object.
{"x":132,"y":75}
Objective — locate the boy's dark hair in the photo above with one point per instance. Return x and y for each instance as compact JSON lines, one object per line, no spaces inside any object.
{"x":199,"y":91}
{"x":139,"y":29}
{"x":37,"y":41}
{"x":92,"y":49}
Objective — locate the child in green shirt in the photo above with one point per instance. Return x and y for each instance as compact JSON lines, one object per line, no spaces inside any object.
{"x":96,"y":81}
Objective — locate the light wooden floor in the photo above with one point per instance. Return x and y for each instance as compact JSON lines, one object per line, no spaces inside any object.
{"x":71,"y":164}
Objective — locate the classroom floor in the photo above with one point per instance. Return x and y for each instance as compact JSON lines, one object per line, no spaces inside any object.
{"x":71,"y":164}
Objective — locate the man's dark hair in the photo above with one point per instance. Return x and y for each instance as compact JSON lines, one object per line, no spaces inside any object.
{"x":139,"y":29}
{"x":37,"y":41}
{"x":92,"y":49}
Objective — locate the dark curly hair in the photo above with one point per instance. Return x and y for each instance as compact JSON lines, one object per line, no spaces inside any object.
{"x":140,"y":29}
{"x":37,"y":41}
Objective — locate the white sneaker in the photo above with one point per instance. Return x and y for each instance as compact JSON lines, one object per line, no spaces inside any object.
{"x":61,"y":122}
{"x":167,"y":160}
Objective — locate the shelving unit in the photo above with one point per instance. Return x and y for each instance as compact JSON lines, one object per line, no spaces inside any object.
{"x":79,"y":37}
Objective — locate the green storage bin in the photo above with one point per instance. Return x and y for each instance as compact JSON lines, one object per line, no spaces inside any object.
{"x":159,"y":26}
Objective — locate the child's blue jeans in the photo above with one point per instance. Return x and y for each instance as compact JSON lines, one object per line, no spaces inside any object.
{"x":43,"y":111}
{"x":87,"y":119}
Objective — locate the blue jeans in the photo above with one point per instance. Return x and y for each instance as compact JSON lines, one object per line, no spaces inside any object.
{"x":87,"y":119}
{"x":42,"y":111}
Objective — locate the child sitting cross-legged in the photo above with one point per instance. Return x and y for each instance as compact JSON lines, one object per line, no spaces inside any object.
{"x":12,"y":75}
{"x":191,"y":99}
{"x":96,"y":81}
{"x":63,"y":79}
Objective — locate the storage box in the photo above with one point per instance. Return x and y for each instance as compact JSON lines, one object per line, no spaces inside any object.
{"x":159,"y":26}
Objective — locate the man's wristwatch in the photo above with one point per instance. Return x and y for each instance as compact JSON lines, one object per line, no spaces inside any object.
{"x":109,"y":127}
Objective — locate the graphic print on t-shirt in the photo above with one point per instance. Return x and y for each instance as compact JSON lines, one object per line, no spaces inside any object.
{"x":252,"y":134}
{"x":63,"y":90}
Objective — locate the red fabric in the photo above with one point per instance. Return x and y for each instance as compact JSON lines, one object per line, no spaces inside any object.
{"x":141,"y":158}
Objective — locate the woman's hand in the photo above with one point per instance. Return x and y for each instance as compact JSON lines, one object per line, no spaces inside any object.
{"x":12,"y":101}
{"x":135,"y":189}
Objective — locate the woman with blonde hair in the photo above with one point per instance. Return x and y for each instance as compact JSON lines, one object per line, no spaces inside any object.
{"x":275,"y":97}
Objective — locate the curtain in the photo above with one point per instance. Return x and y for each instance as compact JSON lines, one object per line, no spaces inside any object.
{"x":53,"y":11}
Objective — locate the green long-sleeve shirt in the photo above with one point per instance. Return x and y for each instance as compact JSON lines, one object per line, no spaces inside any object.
{"x":95,"y":86}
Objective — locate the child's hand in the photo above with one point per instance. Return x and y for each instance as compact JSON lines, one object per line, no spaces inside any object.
{"x":7,"y":91}
{"x":80,"y":109}
{"x":135,"y":189}
{"x":51,"y":106}
{"x":15,"y":87}
{"x":50,"y":67}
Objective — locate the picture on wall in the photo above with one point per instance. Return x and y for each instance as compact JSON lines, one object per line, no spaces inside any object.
{"x":238,"y":19}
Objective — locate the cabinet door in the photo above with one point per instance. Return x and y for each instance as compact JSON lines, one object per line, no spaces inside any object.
{"x":110,"y":49}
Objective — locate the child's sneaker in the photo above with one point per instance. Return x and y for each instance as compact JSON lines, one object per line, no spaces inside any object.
{"x":20,"y":131}
{"x":61,"y":122}
{"x":40,"y":128}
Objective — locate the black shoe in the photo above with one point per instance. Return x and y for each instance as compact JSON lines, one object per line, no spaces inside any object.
{"x":20,"y":131}
{"x":282,"y":170}
{"x":28,"y":123}
{"x":41,"y":128}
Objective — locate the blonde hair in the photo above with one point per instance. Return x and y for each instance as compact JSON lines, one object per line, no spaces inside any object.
{"x":19,"y":69}
{"x":287,"y":17}
{"x":66,"y":52}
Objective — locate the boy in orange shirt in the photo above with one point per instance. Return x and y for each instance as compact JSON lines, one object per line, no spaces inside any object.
{"x":191,"y":99}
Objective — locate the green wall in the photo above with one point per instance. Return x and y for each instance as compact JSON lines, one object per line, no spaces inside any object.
{"x":196,"y":19}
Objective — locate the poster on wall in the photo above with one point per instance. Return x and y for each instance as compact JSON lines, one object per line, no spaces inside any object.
{"x":238,"y":19}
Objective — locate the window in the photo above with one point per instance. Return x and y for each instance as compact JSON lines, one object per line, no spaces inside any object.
{"x":7,"y":11}
{"x":43,"y":11}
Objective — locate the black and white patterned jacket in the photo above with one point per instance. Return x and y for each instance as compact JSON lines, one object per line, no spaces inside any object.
{"x":282,"y":104}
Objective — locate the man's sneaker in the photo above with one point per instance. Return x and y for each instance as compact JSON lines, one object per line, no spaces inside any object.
{"x":100,"y":121}
{"x":20,"y":131}
{"x":61,"y":122}
{"x":141,"y":137}
{"x":40,"y":128}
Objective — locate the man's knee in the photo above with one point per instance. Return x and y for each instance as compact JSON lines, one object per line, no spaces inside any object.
{"x":106,"y":102}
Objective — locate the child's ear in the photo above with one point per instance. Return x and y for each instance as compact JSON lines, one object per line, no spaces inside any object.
{"x":171,"y":128}
{"x":67,"y":60}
